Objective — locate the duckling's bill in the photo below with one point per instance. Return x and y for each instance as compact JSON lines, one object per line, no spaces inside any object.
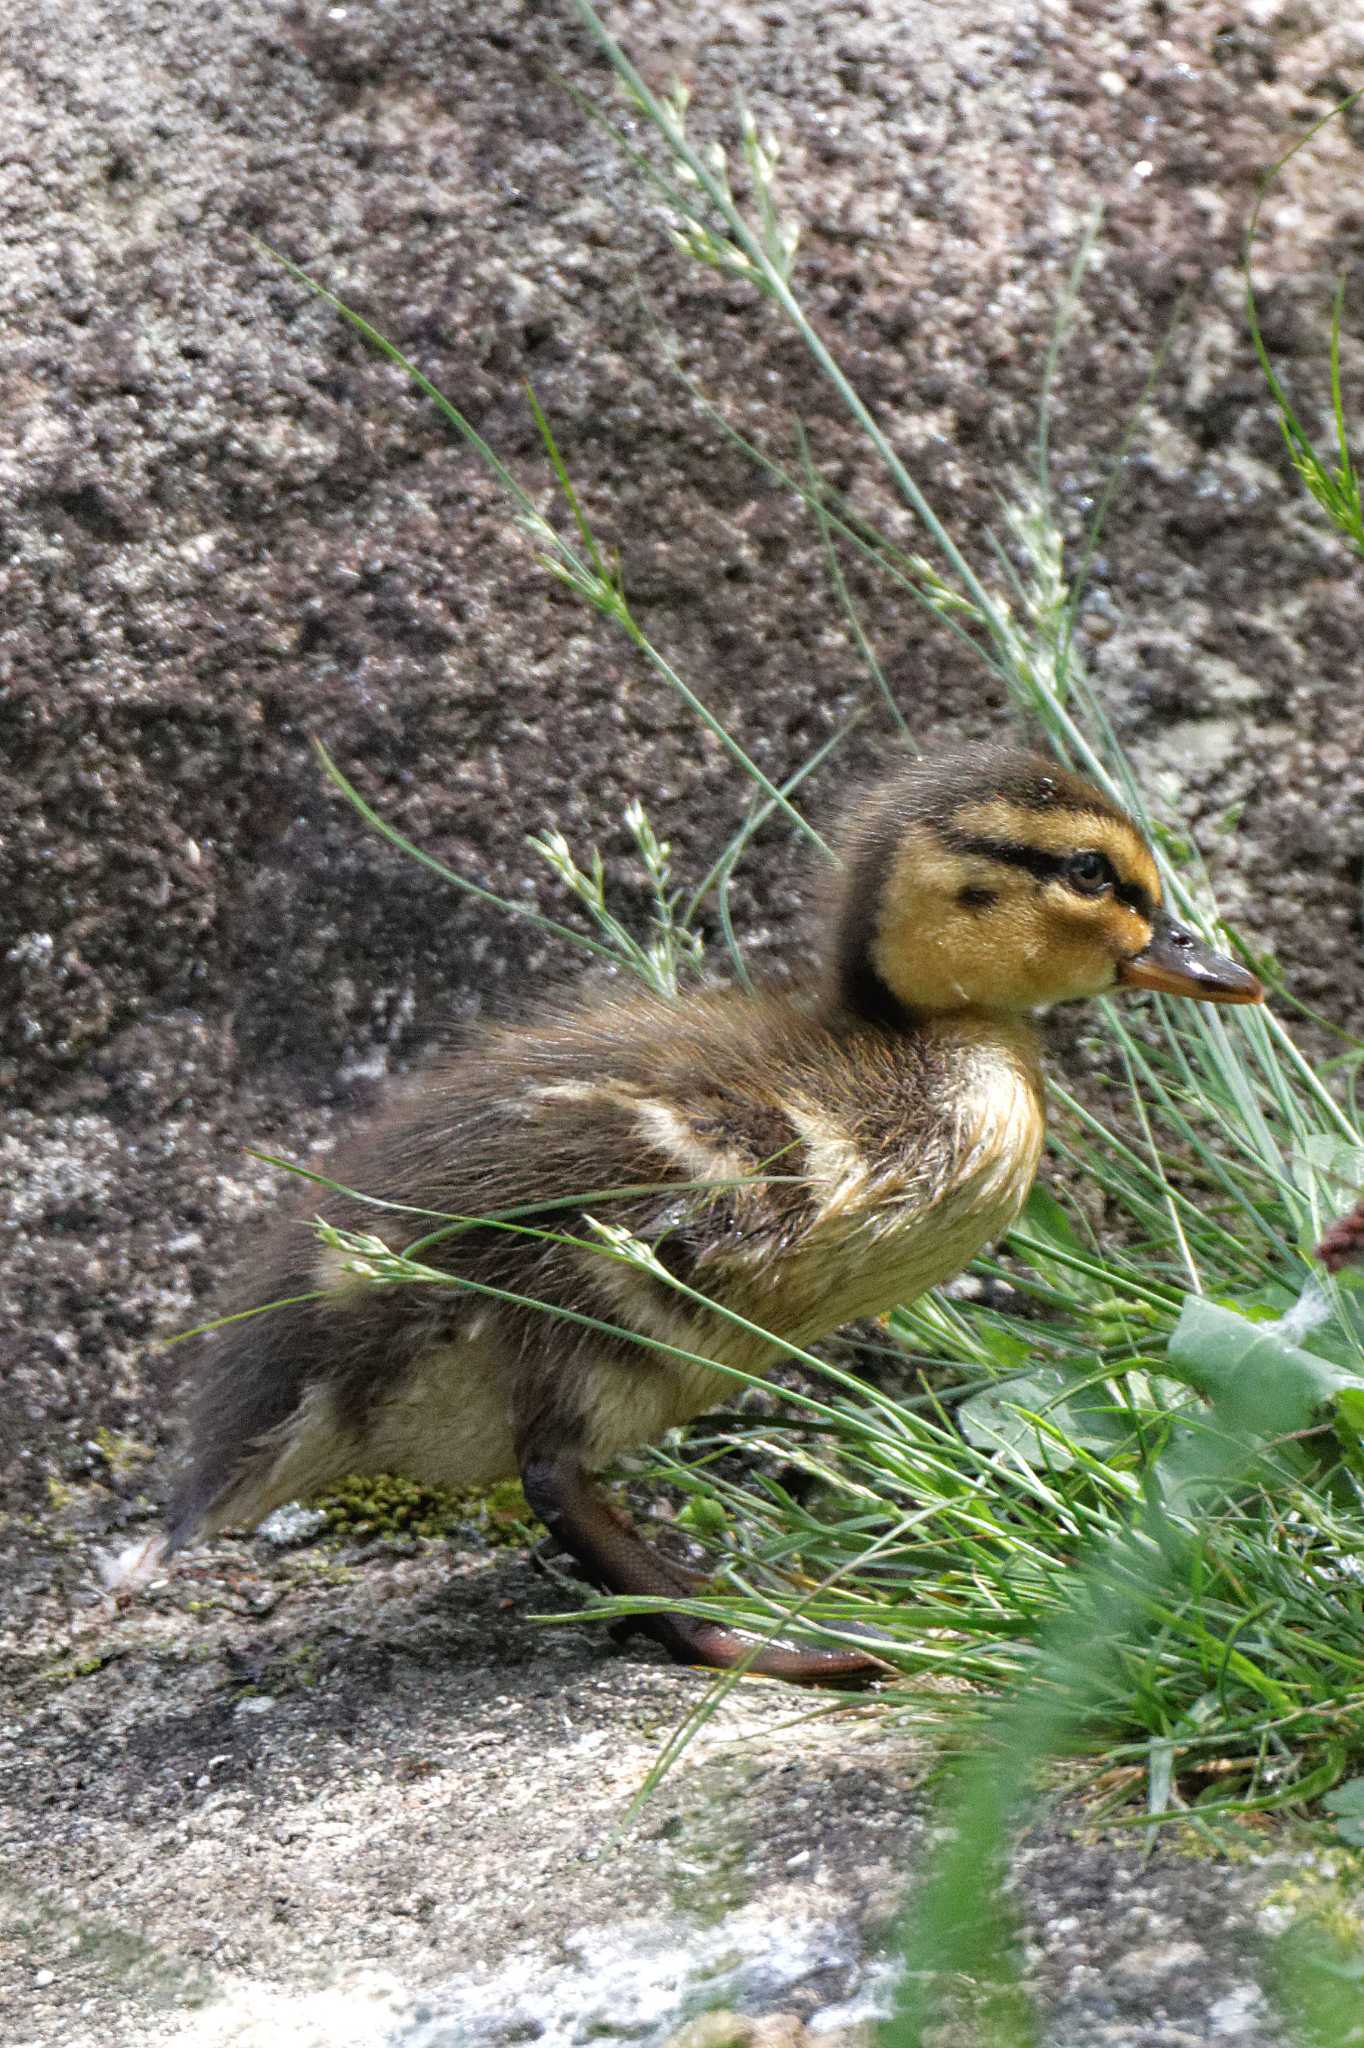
{"x":1178,"y":963}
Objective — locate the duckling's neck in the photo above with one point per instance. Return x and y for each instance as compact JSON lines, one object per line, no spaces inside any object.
{"x":862,"y":1000}
{"x":1013,"y":1033}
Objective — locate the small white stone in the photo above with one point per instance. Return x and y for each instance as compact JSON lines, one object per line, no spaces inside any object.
{"x":1238,"y":2012}
{"x":293,"y":1523}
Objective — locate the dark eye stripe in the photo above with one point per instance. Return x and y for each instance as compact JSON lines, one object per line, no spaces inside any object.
{"x":1136,"y":898}
{"x":1014,"y":852}
{"x":1046,"y":866}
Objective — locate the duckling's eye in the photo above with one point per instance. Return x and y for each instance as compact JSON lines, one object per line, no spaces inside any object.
{"x":1091,"y":874}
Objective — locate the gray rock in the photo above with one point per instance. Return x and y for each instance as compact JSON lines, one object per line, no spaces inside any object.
{"x":227,"y":529}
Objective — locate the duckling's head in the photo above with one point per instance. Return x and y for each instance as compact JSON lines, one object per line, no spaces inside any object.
{"x":997,"y":880}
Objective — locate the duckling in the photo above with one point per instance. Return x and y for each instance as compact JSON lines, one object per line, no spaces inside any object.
{"x":800,"y":1157}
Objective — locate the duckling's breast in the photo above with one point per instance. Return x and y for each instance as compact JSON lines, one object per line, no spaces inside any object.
{"x":905,"y":1161}
{"x":893,"y":1220}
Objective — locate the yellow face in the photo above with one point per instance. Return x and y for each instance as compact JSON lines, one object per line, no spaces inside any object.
{"x":1010,"y":910}
{"x":1008,"y":884}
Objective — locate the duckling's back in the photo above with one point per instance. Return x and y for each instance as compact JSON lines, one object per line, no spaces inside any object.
{"x":798,"y":1170}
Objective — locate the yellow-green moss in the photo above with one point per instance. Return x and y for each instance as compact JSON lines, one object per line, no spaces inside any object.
{"x":365,"y":1506}
{"x":1327,"y":1897}
{"x":121,"y":1453}
{"x":82,"y":1667}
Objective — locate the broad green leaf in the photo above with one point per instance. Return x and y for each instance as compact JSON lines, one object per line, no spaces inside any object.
{"x":1330,"y":1171}
{"x":1347,"y":1799}
{"x":1260,"y":1383}
{"x":703,"y":1514}
{"x":1347,"y":1803}
{"x":1350,"y":1407}
{"x":1033,"y":1414}
{"x":1046,"y":1239}
{"x":1322,"y":1156}
{"x":1006,"y":1347}
{"x":1045,"y":1218}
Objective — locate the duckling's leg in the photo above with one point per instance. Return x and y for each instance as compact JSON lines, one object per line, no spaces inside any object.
{"x":619,"y":1561}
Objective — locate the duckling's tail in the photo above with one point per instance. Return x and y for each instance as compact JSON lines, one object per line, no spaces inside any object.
{"x":191,"y":1506}
{"x":247,"y":1401}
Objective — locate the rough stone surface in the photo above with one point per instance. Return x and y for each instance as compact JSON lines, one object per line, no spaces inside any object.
{"x":226,"y":528}
{"x":298,"y":1799}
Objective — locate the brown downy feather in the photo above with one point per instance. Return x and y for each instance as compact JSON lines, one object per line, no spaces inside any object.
{"x":844,"y":1141}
